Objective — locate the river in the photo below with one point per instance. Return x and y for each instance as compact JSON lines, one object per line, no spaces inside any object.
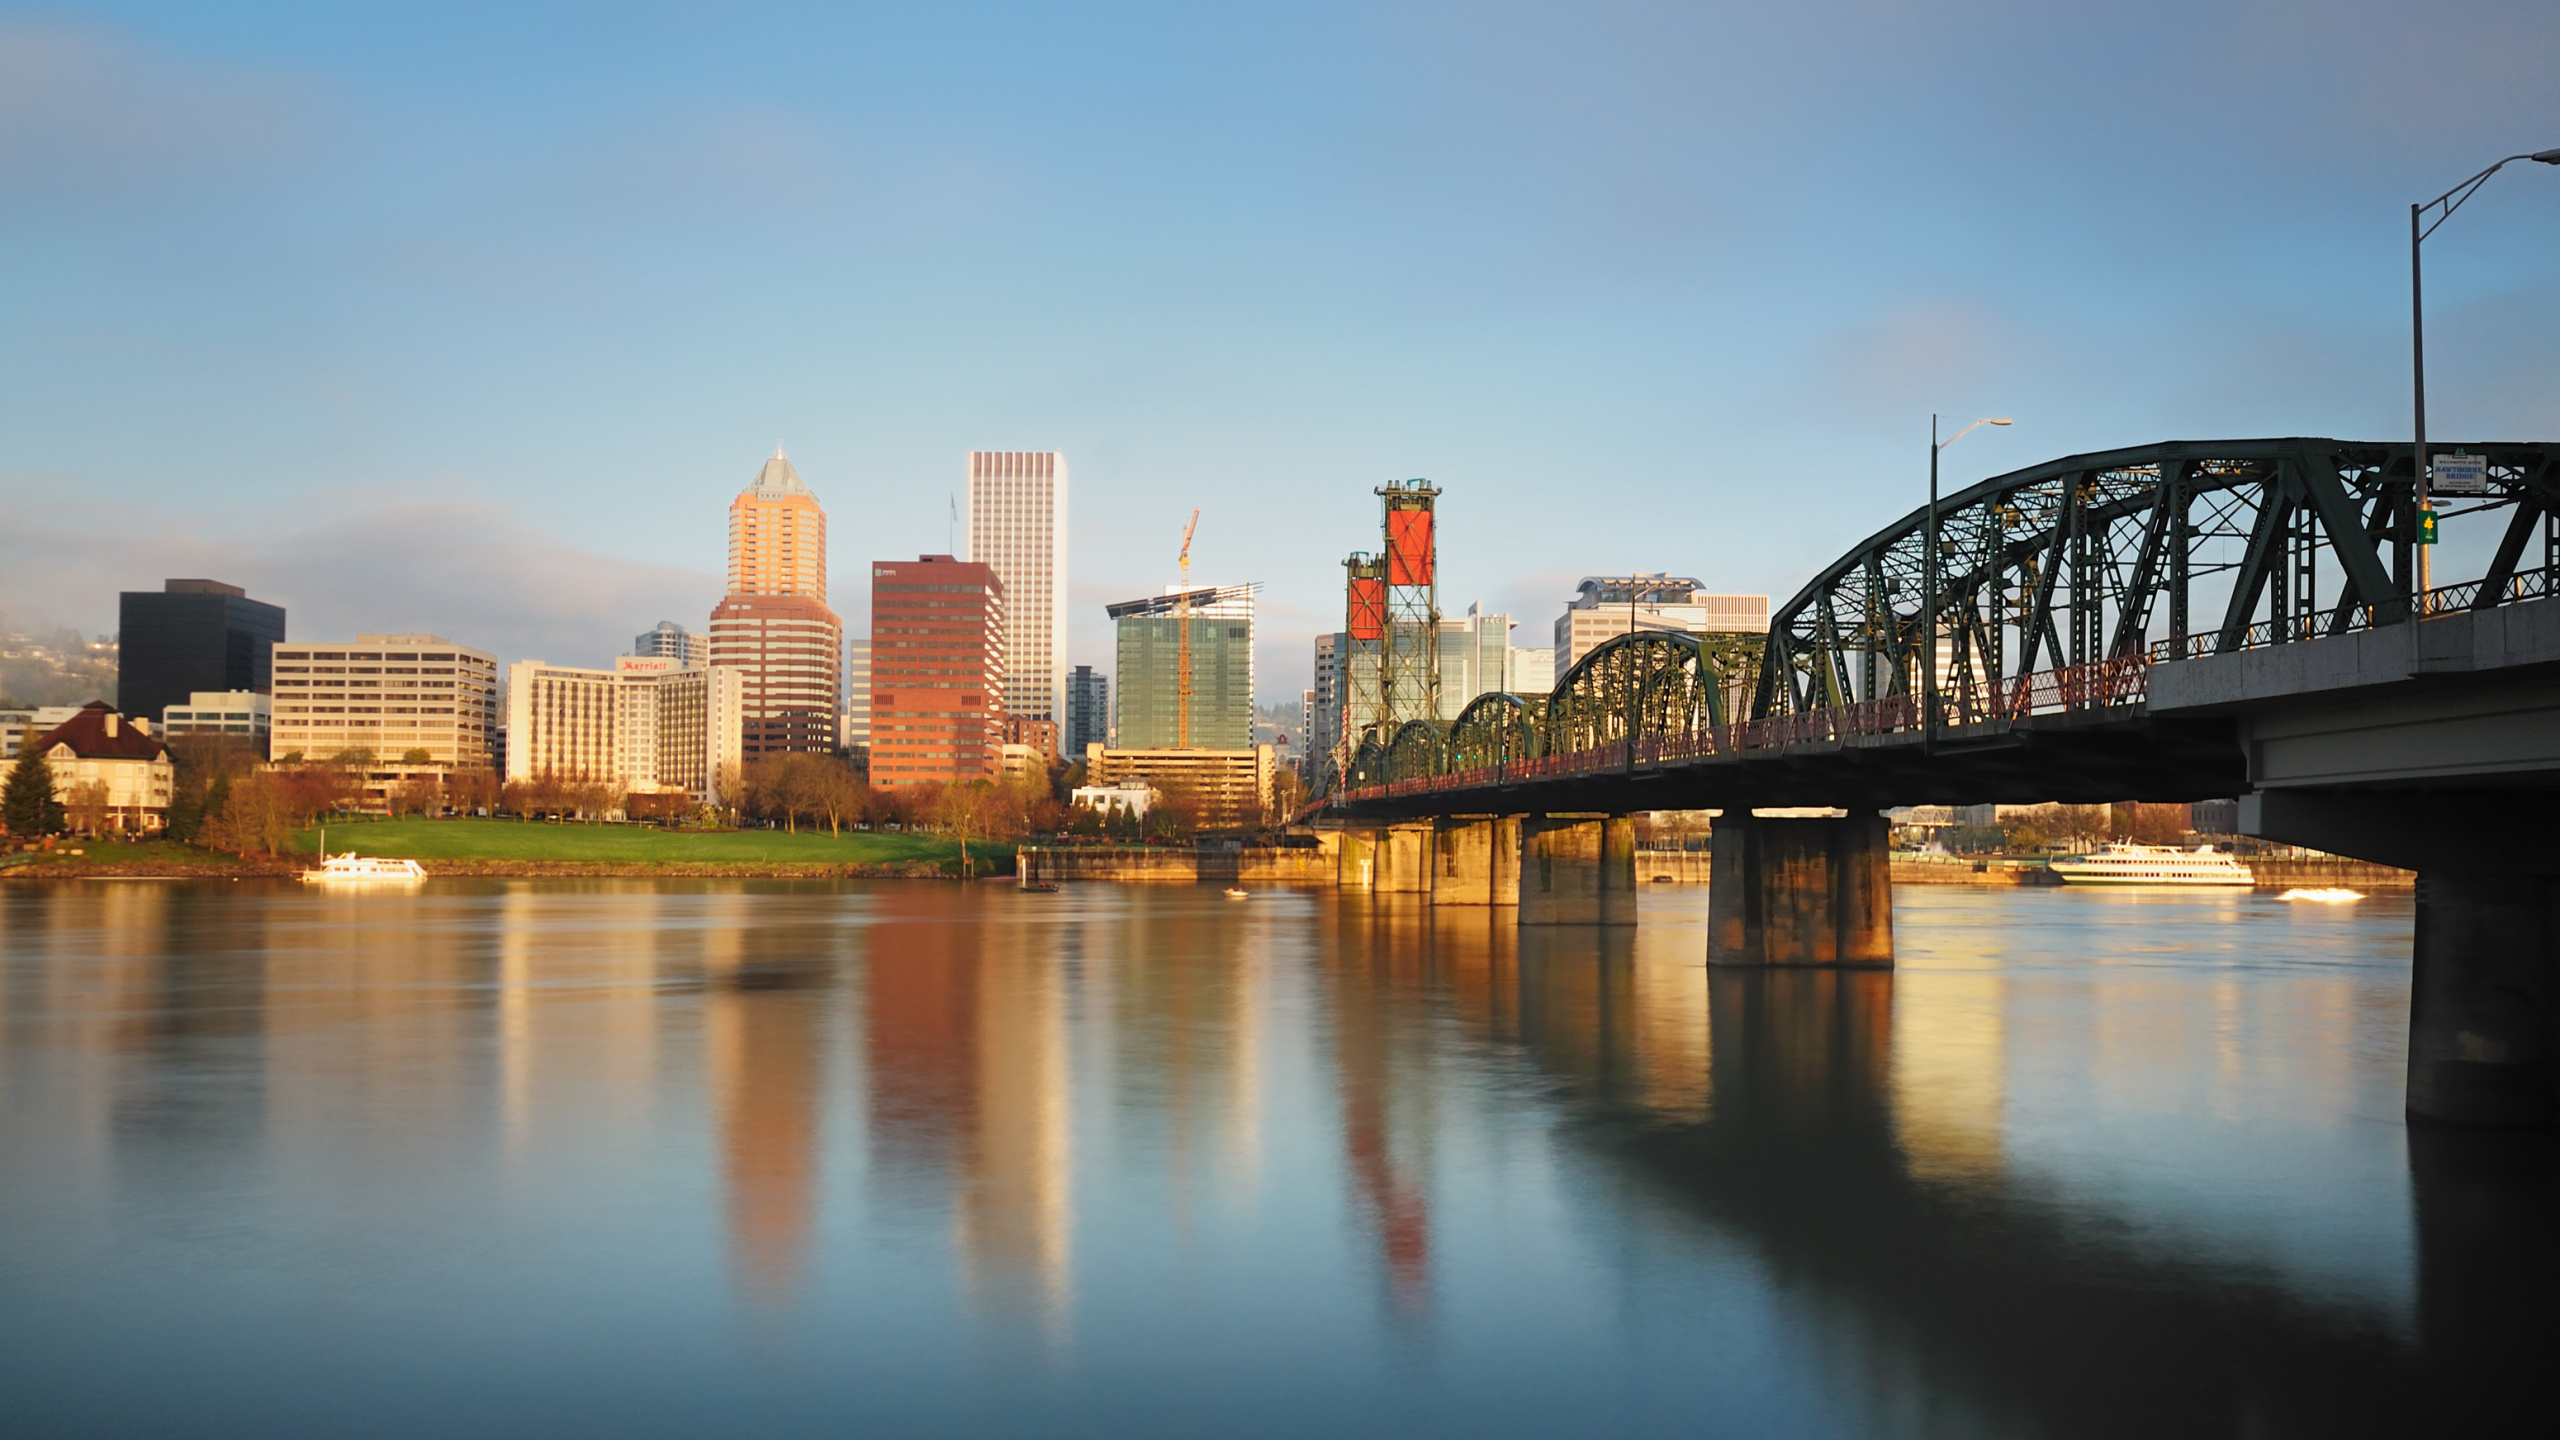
{"x":636,"y":1158}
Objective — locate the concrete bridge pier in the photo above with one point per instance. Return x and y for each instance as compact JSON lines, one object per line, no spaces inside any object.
{"x":1475,"y":860}
{"x":1404,"y":859}
{"x":1577,"y":870}
{"x":2484,"y":977}
{"x":1794,"y":890}
{"x":1355,"y":857}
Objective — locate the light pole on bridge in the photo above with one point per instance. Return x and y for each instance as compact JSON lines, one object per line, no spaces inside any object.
{"x":1929,"y":585}
{"x":2419,"y":229}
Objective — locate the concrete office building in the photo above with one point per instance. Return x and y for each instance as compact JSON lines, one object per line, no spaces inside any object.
{"x":1606,"y":606}
{"x":192,"y":635}
{"x":1088,"y":710}
{"x":244,"y":714}
{"x":672,"y":641}
{"x":1018,"y":528}
{"x":17,"y":725}
{"x":857,"y":698}
{"x":1150,"y":651}
{"x":1529,"y":671}
{"x":1475,"y":658}
{"x":1232,"y":785}
{"x":386,"y":695}
{"x":937,"y":671}
{"x":648,"y":726}
{"x":774,"y":627}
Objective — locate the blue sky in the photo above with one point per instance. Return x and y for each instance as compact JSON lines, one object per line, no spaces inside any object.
{"x":472,"y":318}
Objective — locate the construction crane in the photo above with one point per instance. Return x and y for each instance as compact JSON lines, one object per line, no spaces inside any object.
{"x":1182,"y":669}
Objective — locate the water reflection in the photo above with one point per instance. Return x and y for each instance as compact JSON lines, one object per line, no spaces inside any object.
{"x":2079,"y":1166}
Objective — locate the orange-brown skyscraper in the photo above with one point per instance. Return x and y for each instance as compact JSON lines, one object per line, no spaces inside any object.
{"x":774,"y":627}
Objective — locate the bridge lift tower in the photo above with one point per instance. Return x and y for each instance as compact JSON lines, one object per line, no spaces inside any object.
{"x":1364,"y":630}
{"x":1409,"y":672}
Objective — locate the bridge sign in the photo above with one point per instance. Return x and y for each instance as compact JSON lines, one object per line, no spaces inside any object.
{"x":2460,"y":474}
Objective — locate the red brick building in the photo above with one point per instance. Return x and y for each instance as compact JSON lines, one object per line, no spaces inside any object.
{"x":937,"y":671}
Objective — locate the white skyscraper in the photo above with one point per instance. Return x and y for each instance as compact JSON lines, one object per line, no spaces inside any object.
{"x":1018,"y":528}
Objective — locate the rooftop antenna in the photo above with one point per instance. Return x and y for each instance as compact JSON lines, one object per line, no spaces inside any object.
{"x":951,"y":532}
{"x":1182,"y":609}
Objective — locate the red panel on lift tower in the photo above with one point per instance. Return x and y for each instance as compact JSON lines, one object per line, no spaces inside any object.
{"x":1368,"y":607}
{"x":1409,"y":547}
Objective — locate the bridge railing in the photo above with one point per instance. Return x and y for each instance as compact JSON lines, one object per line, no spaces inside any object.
{"x":2106,"y":684}
{"x":2443,"y":600}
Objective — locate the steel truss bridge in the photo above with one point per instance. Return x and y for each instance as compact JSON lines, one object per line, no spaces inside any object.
{"x":1995,"y":646}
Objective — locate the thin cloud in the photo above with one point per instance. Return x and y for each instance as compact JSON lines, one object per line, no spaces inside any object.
{"x":457,"y":564}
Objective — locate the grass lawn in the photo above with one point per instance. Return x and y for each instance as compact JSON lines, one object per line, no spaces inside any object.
{"x":630,"y":844}
{"x":99,"y":853}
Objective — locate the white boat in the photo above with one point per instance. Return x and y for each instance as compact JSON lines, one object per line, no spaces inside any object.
{"x":2128,"y":864}
{"x":335,"y":868}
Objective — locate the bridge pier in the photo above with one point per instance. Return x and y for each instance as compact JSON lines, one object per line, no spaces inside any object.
{"x":1355,"y":859}
{"x":1476,"y":861}
{"x":2484,"y":975}
{"x":1789,"y":890}
{"x":1577,"y":870}
{"x":1404,"y":859}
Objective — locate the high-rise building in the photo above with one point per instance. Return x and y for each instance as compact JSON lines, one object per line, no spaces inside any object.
{"x":1018,"y":528}
{"x":1529,"y":671}
{"x":674,"y":642}
{"x":1475,"y":656}
{"x":774,"y":627}
{"x":386,"y":695}
{"x":1088,"y":710}
{"x":937,"y":671}
{"x":1606,"y":606}
{"x":1324,"y":710}
{"x":1150,"y":664}
{"x":648,"y":726}
{"x":857,"y":697}
{"x":192,"y":635}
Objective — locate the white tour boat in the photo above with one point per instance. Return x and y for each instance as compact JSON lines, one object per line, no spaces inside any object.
{"x":2128,"y":864}
{"x":362,"y":867}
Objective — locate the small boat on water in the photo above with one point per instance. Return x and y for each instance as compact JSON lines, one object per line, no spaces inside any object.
{"x":1040,"y":887}
{"x":1238,"y":892}
{"x":2324,"y":896}
{"x":2128,"y":864}
{"x":353,"y":867}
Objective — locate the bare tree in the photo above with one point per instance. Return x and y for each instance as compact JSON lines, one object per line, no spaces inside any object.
{"x":85,"y":804}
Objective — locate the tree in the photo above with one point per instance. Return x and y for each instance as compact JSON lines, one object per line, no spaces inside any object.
{"x":417,"y":795}
{"x":86,"y":802}
{"x":261,"y":813}
{"x":27,"y":802}
{"x":416,"y":755}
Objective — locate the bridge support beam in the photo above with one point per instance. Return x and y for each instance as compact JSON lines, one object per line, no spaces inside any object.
{"x":2484,"y":978}
{"x":1577,"y":870}
{"x":1800,"y":891}
{"x":1476,"y":861}
{"x":1404,"y":859}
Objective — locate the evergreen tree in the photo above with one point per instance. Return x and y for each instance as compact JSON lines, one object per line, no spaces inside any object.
{"x":27,"y":802}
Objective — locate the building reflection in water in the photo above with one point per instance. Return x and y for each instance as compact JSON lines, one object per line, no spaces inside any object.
{"x":1382,"y":973}
{"x":767,"y":972}
{"x":965,"y":1045}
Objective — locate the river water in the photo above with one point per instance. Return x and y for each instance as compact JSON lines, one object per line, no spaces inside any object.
{"x":629,"y":1158}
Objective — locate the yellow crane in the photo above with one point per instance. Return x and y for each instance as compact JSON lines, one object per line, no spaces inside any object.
{"x":1182,"y":670}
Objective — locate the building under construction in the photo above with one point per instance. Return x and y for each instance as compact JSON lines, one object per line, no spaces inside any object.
{"x":1149,"y":679}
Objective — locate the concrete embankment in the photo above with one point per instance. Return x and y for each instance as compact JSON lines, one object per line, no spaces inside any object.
{"x":1166,"y":865}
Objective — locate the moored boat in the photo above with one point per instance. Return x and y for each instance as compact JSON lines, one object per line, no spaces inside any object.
{"x":365,"y":867}
{"x":2123,"y":863}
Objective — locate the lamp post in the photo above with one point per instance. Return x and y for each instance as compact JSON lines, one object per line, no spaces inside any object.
{"x":1929,"y":584}
{"x":2419,"y":229}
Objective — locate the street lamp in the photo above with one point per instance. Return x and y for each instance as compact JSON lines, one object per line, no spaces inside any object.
{"x":2446,"y":204}
{"x":1929,"y":583}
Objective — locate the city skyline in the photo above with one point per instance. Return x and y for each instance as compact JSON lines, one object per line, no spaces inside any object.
{"x":1383,"y":256}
